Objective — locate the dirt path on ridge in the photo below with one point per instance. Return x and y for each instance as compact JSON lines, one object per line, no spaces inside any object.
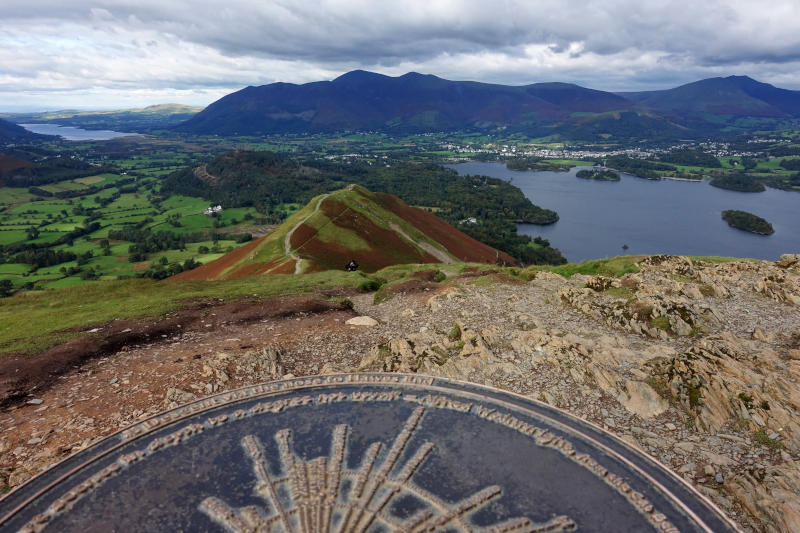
{"x":287,"y":242}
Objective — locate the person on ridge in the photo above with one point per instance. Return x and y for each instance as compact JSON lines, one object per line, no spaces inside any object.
{"x":352,"y":266}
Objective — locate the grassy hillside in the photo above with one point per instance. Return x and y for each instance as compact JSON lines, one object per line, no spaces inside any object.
{"x":377,"y":230}
{"x":34,"y":320}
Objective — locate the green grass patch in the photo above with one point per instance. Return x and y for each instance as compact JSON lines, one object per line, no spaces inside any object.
{"x":371,"y":284}
{"x":48,"y":237}
{"x":80,"y":246}
{"x":762,"y":437}
{"x":620,"y":292}
{"x":41,"y":208}
{"x":63,"y":186}
{"x":89,"y":180}
{"x":483,"y":281}
{"x":719,"y":259}
{"x":661,"y":323}
{"x":192,"y":223}
{"x":612,"y":267}
{"x":14,"y":269}
{"x":34,"y":320}
{"x":11,"y":236}
{"x":63,"y":283}
{"x":455,"y":333}
{"x":14,"y":195}
{"x":570,"y":162}
{"x":60,"y":226}
{"x":331,"y":233}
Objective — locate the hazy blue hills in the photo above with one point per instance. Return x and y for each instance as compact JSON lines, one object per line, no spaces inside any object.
{"x":416,"y":103}
{"x":734,"y":96}
{"x":141,"y":120}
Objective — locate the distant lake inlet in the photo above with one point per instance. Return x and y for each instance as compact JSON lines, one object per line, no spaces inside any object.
{"x":596,"y":218}
{"x":71,"y":133}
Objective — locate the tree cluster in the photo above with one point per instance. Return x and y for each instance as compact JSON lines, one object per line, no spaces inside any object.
{"x":600,"y":175}
{"x":691,"y":158}
{"x":638,"y":167}
{"x":747,"y":221}
{"x":51,"y":170}
{"x":738,"y":182}
{"x":790,"y":164}
{"x":162,"y":271}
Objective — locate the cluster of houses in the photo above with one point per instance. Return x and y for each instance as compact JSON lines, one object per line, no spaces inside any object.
{"x":212,"y":209}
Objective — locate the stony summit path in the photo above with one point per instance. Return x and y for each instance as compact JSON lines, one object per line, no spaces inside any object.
{"x":696,"y":364}
{"x":287,"y":242}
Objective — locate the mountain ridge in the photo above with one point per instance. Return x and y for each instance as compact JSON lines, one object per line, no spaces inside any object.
{"x":411,"y":102}
{"x":739,"y":95}
{"x":418,"y":103}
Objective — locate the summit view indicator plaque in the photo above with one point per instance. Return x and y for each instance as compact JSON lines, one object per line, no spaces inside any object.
{"x":360,"y":453}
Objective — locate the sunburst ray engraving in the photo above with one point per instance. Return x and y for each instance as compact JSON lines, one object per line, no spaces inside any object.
{"x":321,"y":495}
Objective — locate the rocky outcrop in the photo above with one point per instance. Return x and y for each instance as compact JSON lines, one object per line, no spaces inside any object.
{"x":789,"y":261}
{"x":448,"y":355}
{"x":725,"y":381}
{"x":780,"y":286}
{"x":654,"y":315}
{"x":362,"y":321}
{"x":696,"y":363}
{"x":771,"y":494}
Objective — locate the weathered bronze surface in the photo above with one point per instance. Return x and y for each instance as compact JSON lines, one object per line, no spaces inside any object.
{"x":360,"y":452}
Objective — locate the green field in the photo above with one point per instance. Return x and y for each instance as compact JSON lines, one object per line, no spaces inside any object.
{"x":14,"y":269}
{"x":26,"y":223}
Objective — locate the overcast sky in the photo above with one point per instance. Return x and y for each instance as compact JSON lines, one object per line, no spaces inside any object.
{"x":112,"y":54}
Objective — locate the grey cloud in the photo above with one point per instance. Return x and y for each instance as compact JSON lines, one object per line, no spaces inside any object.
{"x":387,"y":31}
{"x":614,"y":44}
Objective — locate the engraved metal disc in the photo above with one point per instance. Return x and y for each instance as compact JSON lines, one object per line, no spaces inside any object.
{"x":360,"y":453}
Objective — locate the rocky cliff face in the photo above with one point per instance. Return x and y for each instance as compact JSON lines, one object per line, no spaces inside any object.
{"x":696,"y":363}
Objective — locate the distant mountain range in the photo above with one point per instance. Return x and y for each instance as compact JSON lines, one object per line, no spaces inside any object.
{"x":415,"y":103}
{"x":141,"y":120}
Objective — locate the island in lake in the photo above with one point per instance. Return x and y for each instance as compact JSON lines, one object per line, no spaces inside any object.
{"x":597,"y":174}
{"x":747,"y":222}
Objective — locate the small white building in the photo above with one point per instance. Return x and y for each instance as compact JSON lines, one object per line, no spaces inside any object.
{"x":212,"y":209}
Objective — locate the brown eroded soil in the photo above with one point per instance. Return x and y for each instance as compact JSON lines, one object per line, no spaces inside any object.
{"x":21,"y":375}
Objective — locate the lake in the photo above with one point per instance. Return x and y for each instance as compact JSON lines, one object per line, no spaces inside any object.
{"x":71,"y":133}
{"x":668,"y":216}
